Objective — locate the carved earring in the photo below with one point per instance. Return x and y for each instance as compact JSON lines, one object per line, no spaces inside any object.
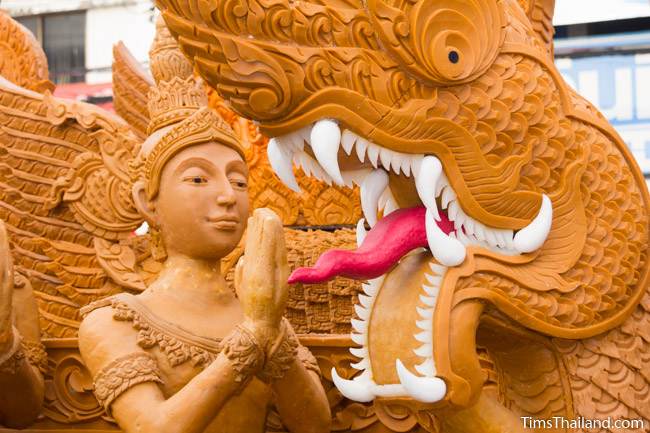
{"x":158,"y":251}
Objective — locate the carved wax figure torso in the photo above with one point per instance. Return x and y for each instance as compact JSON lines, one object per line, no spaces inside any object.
{"x":149,"y":347}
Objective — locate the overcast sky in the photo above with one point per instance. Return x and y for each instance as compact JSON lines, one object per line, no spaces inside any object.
{"x":584,"y":11}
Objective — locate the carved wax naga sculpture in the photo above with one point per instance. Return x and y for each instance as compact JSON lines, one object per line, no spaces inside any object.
{"x":513,"y":210}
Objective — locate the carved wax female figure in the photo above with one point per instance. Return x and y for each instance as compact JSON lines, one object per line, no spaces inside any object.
{"x":186,"y":355}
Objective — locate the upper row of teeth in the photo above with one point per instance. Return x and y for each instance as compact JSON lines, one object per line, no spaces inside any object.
{"x":325,"y":139}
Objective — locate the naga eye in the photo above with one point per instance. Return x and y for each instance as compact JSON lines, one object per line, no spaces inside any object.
{"x":454,"y":57}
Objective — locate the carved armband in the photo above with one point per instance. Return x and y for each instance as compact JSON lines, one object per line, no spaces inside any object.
{"x":244,"y":352}
{"x":36,"y":354}
{"x":124,"y":373}
{"x":282,"y":354}
{"x":10,"y":362}
{"x":308,"y":360}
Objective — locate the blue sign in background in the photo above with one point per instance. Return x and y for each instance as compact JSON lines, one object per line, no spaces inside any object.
{"x":619,"y":85}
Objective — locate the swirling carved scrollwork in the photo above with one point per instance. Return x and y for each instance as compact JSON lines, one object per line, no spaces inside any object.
{"x":441,"y":42}
{"x":69,"y":395}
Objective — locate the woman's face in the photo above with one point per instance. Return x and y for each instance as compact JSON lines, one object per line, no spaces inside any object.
{"x":202,"y":204}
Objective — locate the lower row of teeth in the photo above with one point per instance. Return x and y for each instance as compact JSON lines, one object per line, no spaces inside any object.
{"x":426,"y":388}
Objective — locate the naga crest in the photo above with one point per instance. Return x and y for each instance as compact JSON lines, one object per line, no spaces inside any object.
{"x":491,"y":189}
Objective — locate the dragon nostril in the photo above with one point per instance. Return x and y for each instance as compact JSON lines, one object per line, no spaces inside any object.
{"x":454,"y":57}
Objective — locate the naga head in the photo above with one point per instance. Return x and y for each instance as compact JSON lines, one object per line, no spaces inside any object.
{"x":474,"y":161}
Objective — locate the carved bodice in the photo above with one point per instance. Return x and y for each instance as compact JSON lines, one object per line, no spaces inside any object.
{"x":171,"y":356}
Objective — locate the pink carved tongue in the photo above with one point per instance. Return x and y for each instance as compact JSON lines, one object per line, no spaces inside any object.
{"x":384,"y":245}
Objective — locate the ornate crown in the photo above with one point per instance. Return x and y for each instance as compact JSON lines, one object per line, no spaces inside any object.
{"x":177,"y":94}
{"x":204,"y":126}
{"x":179,"y":103}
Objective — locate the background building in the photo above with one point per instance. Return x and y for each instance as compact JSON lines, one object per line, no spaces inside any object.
{"x":602,"y":49}
{"x":78,"y":35}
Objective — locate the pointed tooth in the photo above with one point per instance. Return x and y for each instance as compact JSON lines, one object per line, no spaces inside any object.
{"x":426,"y":181}
{"x":422,"y":389}
{"x":500,"y":238}
{"x":448,"y":195}
{"x":462,"y":237}
{"x":143,"y":229}
{"x":359,"y":352}
{"x":383,"y":198}
{"x":428,"y":301}
{"x":386,"y":157}
{"x":295,"y":141}
{"x":460,"y":218}
{"x":426,"y":368}
{"x":424,"y":337}
{"x":361,"y":231}
{"x":359,"y":325}
{"x":312,"y":168}
{"x":361,"y":147}
{"x":299,"y":160}
{"x":437,"y":269}
{"x":348,"y":179}
{"x":390,"y":206}
{"x":362,"y":312}
{"x":425,"y":313}
{"x":281,"y":162}
{"x":371,"y":189}
{"x":533,"y":236}
{"x":416,"y":163}
{"x":452,"y":212}
{"x":405,"y":165}
{"x":510,"y":244}
{"x":370,"y":289}
{"x":361,"y":365}
{"x":479,"y":231}
{"x":373,"y":154}
{"x":396,"y":162}
{"x":490,"y":237}
{"x":445,"y":249}
{"x":425,"y":325}
{"x":434,"y":280}
{"x":355,"y":390}
{"x":441,"y":184}
{"x":366,"y":301}
{"x":305,"y":133}
{"x":355,"y":176}
{"x":424,"y":351}
{"x":325,"y":142}
{"x":431,"y":291}
{"x":469,"y":226}
{"x":347,"y":141}
{"x":358,"y":339}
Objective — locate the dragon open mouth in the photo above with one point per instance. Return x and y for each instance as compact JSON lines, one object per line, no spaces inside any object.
{"x":410,"y":207}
